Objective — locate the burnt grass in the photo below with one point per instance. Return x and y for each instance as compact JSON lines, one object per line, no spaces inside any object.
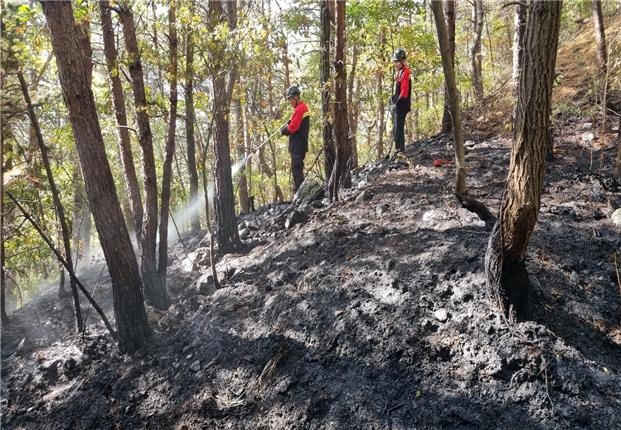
{"x":371,"y":312}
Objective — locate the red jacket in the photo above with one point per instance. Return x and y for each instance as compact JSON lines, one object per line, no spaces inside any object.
{"x":403,"y":90}
{"x":297,"y":128}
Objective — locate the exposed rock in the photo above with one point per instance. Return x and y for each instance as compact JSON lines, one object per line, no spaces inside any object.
{"x":616,"y":217}
{"x":205,"y":284}
{"x":309,"y":191}
{"x":295,"y":217}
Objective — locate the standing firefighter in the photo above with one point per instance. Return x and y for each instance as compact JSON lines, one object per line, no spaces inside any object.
{"x":297,"y":129}
{"x":401,"y":98}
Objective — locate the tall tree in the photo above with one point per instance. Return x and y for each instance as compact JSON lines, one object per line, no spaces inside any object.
{"x":132,"y":326}
{"x":118,"y":100}
{"x":155,"y":291}
{"x":476,"y":69}
{"x":58,"y":206}
{"x":340,"y":175}
{"x":324,"y":81}
{"x":4,"y":318}
{"x":600,"y":36}
{"x":449,"y":15}
{"x":170,"y":143}
{"x":190,"y":117}
{"x":507,"y":277}
{"x":224,"y":74}
{"x":461,"y":190}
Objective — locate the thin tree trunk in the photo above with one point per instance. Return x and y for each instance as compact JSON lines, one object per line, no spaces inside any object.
{"x":4,"y":316}
{"x":132,"y":325}
{"x":189,"y":127}
{"x":324,"y":78}
{"x":155,"y":292}
{"x":58,"y":206}
{"x":118,"y":100}
{"x":518,"y":46}
{"x":449,"y":13}
{"x":241,"y":154}
{"x":170,"y":145}
{"x":461,"y":191}
{"x":600,"y":37}
{"x":353,"y":107}
{"x":475,"y":52}
{"x":341,"y":175}
{"x":224,"y":202}
{"x":507,"y":278}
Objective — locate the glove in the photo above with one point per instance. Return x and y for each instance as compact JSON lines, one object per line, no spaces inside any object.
{"x":285,"y":131}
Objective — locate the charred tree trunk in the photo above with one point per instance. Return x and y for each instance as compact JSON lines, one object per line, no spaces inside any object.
{"x":461,"y":191}
{"x":162,"y":264}
{"x":189,"y":127}
{"x":324,"y":79}
{"x":227,"y":235}
{"x":132,"y":326}
{"x":240,"y":146}
{"x":58,"y":206}
{"x":118,"y":100}
{"x":476,"y":69}
{"x":340,"y":177}
{"x":155,"y":292}
{"x":449,"y":13}
{"x":353,"y":107}
{"x":600,"y":37}
{"x":4,"y":318}
{"x":507,"y":278}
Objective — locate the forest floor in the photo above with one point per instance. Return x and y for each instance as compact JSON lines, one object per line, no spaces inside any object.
{"x":370,"y":312}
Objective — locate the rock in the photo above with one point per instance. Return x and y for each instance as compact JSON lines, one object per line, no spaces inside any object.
{"x":309,"y":191}
{"x":441,"y":315}
{"x":295,"y":217}
{"x":461,"y":294}
{"x":616,"y":217}
{"x":382,"y":208}
{"x":390,"y":264}
{"x":364,"y":196}
{"x":205,"y":284}
{"x":244,"y":233}
{"x":195,"y":366}
{"x":587,"y":126}
{"x":587,"y":137}
{"x":200,"y":256}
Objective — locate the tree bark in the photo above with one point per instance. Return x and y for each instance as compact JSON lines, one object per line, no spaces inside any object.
{"x":461,"y":191}
{"x":58,"y":206}
{"x":132,"y":326}
{"x":353,"y":110}
{"x":4,"y":318}
{"x":475,"y":53}
{"x":170,"y":145}
{"x":507,"y":277}
{"x":227,"y":235}
{"x":518,"y":46}
{"x":324,"y":79}
{"x":341,"y":171}
{"x":155,"y":292}
{"x":190,"y":117}
{"x":118,"y":100}
{"x":240,"y":146}
{"x":600,"y":37}
{"x":449,"y":13}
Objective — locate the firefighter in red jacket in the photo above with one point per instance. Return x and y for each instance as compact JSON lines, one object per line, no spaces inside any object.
{"x":401,"y":98}
{"x":297,"y":129}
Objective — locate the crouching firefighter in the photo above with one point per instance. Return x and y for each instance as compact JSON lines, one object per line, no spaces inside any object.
{"x":297,"y":129}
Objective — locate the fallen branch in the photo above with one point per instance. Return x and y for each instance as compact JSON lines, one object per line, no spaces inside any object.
{"x":67,"y":266}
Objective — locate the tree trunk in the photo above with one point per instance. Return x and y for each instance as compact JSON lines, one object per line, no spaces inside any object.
{"x":155,"y":292}
{"x":324,"y":78}
{"x":449,"y":13}
{"x":227,"y":235}
{"x":341,"y":175}
{"x":118,"y":100}
{"x":600,"y":37}
{"x":475,"y":53}
{"x":132,"y":326}
{"x":504,"y":261}
{"x":518,"y":46}
{"x":240,"y":146}
{"x":461,"y":191}
{"x":353,"y":107}
{"x":189,"y":127}
{"x":58,"y":206}
{"x":4,"y":318}
{"x":170,"y":145}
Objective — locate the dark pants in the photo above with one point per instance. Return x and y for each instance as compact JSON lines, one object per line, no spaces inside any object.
{"x":297,"y":169}
{"x":398,"y":130}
